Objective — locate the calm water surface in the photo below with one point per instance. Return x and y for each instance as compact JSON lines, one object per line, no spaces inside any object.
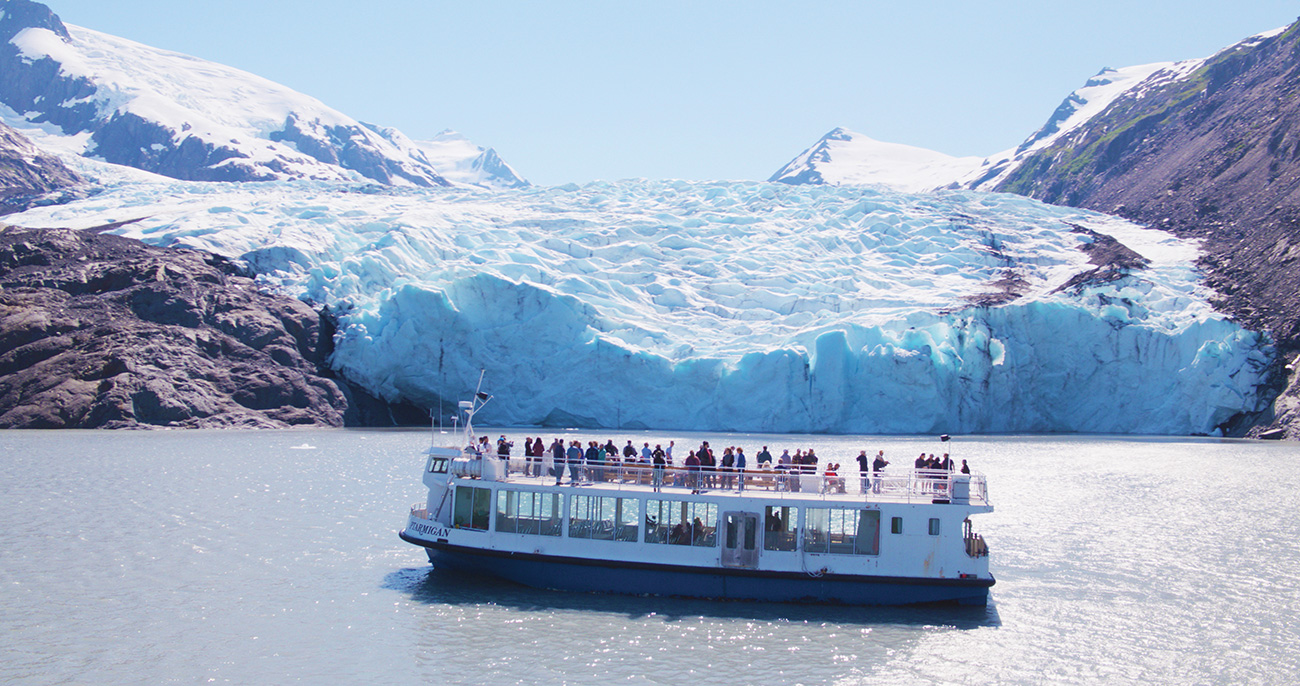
{"x":272,"y":558}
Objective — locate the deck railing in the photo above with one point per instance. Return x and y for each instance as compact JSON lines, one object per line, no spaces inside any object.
{"x":911,"y":485}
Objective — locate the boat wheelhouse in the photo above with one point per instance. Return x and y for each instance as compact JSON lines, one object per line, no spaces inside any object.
{"x":621,"y":528}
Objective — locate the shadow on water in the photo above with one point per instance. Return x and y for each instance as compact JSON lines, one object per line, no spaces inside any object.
{"x":431,"y":586}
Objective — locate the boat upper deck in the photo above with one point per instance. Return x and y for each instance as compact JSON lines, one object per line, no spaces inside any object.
{"x":886,"y":486}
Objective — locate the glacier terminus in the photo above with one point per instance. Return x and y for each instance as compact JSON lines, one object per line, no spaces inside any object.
{"x":741,"y":306}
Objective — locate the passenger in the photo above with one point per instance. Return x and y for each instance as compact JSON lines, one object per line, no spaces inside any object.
{"x":629,"y":450}
{"x":503,"y":447}
{"x":697,"y":532}
{"x":740,"y":467}
{"x":539,"y":451}
{"x":668,"y":457}
{"x":657,"y":469}
{"x":864,"y":471}
{"x":693,"y":472}
{"x":646,"y":453}
{"x":728,"y":464}
{"x":554,"y":458}
{"x":946,"y":467}
{"x":708,"y":465}
{"x":965,"y":468}
{"x":877,"y":466}
{"x":764,"y":457}
{"x":796,"y":470}
{"x":595,"y":461}
{"x":611,"y":465}
{"x":574,"y":458}
{"x":783,"y":465}
{"x":702,"y":454}
{"x":833,"y":483}
{"x":484,"y":448}
{"x":680,"y":535}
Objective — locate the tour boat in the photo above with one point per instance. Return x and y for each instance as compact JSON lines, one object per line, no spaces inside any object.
{"x":621,"y":528}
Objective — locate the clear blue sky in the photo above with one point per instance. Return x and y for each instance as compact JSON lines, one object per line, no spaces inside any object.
{"x":610,"y":89}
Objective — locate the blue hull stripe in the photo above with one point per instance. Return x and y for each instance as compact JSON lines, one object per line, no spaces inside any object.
{"x":721,"y":583}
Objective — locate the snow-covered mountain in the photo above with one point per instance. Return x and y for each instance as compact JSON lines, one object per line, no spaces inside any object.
{"x":459,"y":160}
{"x":843,"y":157}
{"x":739,"y":305}
{"x":846,"y":158}
{"x":1073,"y":113}
{"x":183,"y":117}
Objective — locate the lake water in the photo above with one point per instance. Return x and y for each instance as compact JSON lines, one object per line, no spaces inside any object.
{"x":272,"y":558}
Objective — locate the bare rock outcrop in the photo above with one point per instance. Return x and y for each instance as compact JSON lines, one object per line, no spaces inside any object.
{"x":97,"y":330}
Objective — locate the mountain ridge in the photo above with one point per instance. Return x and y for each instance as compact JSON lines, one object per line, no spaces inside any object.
{"x":186,"y":118}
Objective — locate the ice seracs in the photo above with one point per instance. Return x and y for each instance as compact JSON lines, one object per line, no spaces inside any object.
{"x":732,"y":305}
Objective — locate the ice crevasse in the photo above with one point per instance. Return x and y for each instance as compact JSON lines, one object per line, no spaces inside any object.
{"x":736,"y":306}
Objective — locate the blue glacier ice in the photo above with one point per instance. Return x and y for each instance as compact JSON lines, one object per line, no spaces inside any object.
{"x":738,"y":306}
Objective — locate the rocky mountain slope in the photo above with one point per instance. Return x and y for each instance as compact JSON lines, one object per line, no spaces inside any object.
{"x":1213,"y":155}
{"x":102,"y":331}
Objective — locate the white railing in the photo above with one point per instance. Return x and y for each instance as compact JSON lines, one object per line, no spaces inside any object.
{"x":913,"y":485}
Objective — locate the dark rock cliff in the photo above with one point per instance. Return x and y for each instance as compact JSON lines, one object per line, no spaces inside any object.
{"x":97,"y":330}
{"x":1214,"y":155}
{"x":26,"y":173}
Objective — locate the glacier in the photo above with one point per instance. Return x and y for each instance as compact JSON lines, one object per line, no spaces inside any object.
{"x":739,"y":306}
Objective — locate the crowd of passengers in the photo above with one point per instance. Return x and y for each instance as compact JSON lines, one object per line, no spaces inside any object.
{"x":702,"y":468}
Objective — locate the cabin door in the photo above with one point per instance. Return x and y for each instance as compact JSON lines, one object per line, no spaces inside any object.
{"x":740,"y":535}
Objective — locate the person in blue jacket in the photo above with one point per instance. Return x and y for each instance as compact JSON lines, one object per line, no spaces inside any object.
{"x":574,"y":456}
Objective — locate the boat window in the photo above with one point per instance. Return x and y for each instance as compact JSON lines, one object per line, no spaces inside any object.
{"x":934,"y":526}
{"x":438,"y":465}
{"x":780,"y":531}
{"x":604,"y":518}
{"x":525,"y":512}
{"x":896,"y":525}
{"x":472,"y":508}
{"x":841,"y":531}
{"x":868,"y":534}
{"x":680,"y":522}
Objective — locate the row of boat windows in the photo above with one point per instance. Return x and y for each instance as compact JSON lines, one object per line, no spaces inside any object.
{"x":669,"y":522}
